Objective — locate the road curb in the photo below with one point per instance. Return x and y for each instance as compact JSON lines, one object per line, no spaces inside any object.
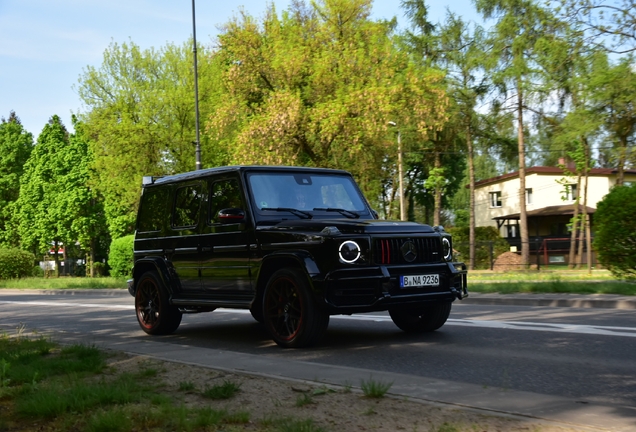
{"x":604,"y":301}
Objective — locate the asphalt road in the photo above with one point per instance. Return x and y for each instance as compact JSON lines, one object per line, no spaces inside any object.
{"x":575,"y":365}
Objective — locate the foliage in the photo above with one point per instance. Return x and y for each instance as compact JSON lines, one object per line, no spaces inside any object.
{"x":375,"y":389}
{"x":120,"y":258}
{"x":15,"y":263}
{"x":611,"y":25}
{"x":222,"y":391}
{"x":140,"y":118}
{"x":615,"y":231}
{"x":55,"y":206}
{"x":485,"y":238}
{"x":16,"y":145}
{"x":317,"y":86}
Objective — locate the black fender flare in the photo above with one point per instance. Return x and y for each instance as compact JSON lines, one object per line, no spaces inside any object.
{"x":281,"y":259}
{"x":158,"y":264}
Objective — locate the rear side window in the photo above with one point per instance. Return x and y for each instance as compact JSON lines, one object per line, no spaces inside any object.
{"x":186,"y":207}
{"x":153,"y":209}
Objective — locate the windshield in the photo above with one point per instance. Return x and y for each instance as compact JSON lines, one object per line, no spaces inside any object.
{"x":305,"y":191}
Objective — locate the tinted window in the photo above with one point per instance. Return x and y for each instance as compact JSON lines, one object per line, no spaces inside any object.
{"x":152,"y":212}
{"x":224,"y":194}
{"x":187,"y":204}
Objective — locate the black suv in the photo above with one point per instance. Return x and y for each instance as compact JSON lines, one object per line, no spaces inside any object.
{"x":293,"y":245}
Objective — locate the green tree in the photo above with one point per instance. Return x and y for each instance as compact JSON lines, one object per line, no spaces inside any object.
{"x":140,"y":120}
{"x":614,"y":93}
{"x":36,"y":207}
{"x":464,"y":58}
{"x":78,"y":200}
{"x":317,"y":86}
{"x":611,"y":25}
{"x":16,"y":145}
{"x":615,"y":231}
{"x":521,"y":25}
{"x":56,"y":206}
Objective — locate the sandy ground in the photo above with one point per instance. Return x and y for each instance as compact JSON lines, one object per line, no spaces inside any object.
{"x":332,"y":408}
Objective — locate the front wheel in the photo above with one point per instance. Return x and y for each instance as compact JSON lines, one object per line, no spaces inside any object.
{"x":155,"y":314}
{"x":425,"y":318}
{"x":289,"y":310}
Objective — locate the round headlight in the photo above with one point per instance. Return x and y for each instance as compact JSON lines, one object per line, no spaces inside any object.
{"x":349,"y":251}
{"x":446,"y":246}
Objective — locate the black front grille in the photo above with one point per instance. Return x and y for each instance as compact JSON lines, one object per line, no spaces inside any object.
{"x":389,"y":250}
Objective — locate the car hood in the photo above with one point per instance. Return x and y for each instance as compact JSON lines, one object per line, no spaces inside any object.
{"x":349,"y":226}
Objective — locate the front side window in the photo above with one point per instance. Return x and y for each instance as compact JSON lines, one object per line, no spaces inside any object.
{"x":495,"y":199}
{"x":186,"y":208}
{"x":224,"y":194}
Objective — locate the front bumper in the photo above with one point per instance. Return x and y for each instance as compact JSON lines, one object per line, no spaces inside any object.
{"x":377,"y":288}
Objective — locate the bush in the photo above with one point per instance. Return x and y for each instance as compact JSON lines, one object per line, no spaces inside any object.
{"x":484,"y":237}
{"x":99,"y":268}
{"x":15,"y":263}
{"x":37,"y":271}
{"x":615,"y":231}
{"x":120,"y":258}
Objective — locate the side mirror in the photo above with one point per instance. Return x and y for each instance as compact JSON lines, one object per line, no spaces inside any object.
{"x":375,"y":214}
{"x":231,"y":215}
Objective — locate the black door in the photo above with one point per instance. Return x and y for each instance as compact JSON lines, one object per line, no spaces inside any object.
{"x":225,"y":246}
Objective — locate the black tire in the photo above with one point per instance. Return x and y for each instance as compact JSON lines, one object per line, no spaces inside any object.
{"x":289,"y":310}
{"x":155,"y":314}
{"x":425,"y":318}
{"x":257,"y":313}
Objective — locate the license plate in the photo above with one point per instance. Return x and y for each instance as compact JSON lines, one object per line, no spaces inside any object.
{"x":419,"y":281}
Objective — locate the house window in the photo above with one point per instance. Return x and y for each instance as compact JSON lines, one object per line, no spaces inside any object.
{"x":571,"y":192}
{"x":529,"y":196}
{"x":495,"y":199}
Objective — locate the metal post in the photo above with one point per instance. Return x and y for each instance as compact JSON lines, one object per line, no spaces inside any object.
{"x":197,"y":151}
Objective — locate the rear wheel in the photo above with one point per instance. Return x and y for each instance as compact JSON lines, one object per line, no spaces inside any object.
{"x":425,"y":318}
{"x":289,"y":310}
{"x":155,"y":314}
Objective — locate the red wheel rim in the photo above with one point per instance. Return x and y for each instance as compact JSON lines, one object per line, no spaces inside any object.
{"x":283,"y":308}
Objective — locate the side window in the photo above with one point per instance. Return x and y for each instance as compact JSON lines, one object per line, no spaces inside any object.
{"x":152,"y":211}
{"x":186,"y":208}
{"x":224,"y":194}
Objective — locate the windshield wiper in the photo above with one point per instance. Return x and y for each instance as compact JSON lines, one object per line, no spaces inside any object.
{"x":300,"y":213}
{"x":348,"y":213}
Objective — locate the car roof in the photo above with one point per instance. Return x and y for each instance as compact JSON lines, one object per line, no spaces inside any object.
{"x":191,"y":175}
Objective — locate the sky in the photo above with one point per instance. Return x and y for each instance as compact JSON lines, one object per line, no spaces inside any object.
{"x":45,"y":45}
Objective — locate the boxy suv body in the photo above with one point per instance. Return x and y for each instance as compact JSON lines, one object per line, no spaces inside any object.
{"x":292,"y":245}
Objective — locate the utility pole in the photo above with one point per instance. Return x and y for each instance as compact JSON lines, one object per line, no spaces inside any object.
{"x":197,"y":151}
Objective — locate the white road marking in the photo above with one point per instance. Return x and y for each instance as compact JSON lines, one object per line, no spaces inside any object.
{"x":507,"y":325}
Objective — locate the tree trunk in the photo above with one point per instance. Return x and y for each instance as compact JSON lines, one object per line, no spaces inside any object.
{"x":620,"y":172}
{"x":523,"y":216}
{"x":575,"y":227}
{"x":437,"y":211}
{"x":471,"y":215}
{"x":92,"y":258}
{"x":588,"y":233}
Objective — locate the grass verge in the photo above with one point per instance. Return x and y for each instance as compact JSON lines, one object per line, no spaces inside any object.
{"x":63,"y":283}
